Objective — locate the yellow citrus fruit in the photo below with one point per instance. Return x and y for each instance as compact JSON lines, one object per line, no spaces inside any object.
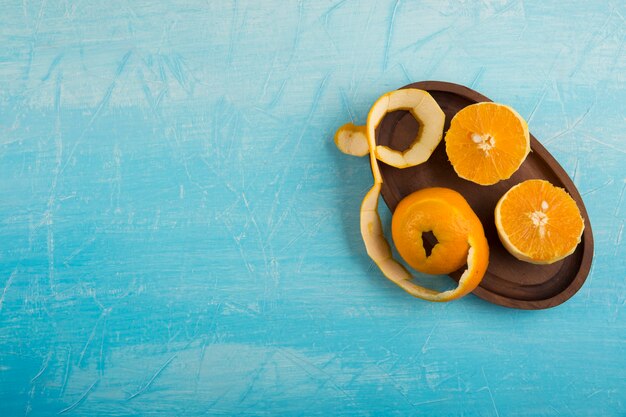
{"x":487,"y":142}
{"x":538,"y":222}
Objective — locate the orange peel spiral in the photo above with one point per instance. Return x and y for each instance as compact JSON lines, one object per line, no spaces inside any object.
{"x":469,"y":245}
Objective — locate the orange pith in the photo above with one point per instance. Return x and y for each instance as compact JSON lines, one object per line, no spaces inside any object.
{"x":487,"y":142}
{"x":538,"y":222}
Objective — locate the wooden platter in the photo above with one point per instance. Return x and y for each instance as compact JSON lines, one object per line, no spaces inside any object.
{"x":508,"y":281}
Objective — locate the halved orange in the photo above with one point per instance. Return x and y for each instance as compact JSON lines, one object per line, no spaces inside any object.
{"x":538,"y":222}
{"x":487,"y":142}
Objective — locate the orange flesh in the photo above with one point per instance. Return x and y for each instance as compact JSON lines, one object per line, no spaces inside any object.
{"x":538,"y":222}
{"x":487,"y":142}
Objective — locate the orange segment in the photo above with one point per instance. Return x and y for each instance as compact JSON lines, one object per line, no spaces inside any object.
{"x":538,"y":222}
{"x":487,"y":142}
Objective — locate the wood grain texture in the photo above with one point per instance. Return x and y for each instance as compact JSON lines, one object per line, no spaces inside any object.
{"x":508,"y":282}
{"x":179,"y":235}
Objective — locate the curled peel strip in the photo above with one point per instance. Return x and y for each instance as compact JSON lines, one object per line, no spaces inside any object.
{"x":353,"y":140}
{"x":376,"y":244}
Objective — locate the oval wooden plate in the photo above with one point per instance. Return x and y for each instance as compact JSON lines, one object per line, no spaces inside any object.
{"x":508,"y":281}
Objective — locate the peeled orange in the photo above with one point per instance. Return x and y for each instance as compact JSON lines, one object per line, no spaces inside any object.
{"x":447,"y":215}
{"x":538,"y":222}
{"x":487,"y":142}
{"x":475,"y":250}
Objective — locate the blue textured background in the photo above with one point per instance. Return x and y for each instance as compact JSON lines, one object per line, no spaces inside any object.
{"x":179,"y":234}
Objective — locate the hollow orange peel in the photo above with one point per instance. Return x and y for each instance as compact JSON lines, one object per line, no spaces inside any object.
{"x":352,"y":139}
{"x":378,"y":247}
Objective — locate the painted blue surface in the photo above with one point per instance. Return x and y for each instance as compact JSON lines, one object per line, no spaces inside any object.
{"x":179,"y":235}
